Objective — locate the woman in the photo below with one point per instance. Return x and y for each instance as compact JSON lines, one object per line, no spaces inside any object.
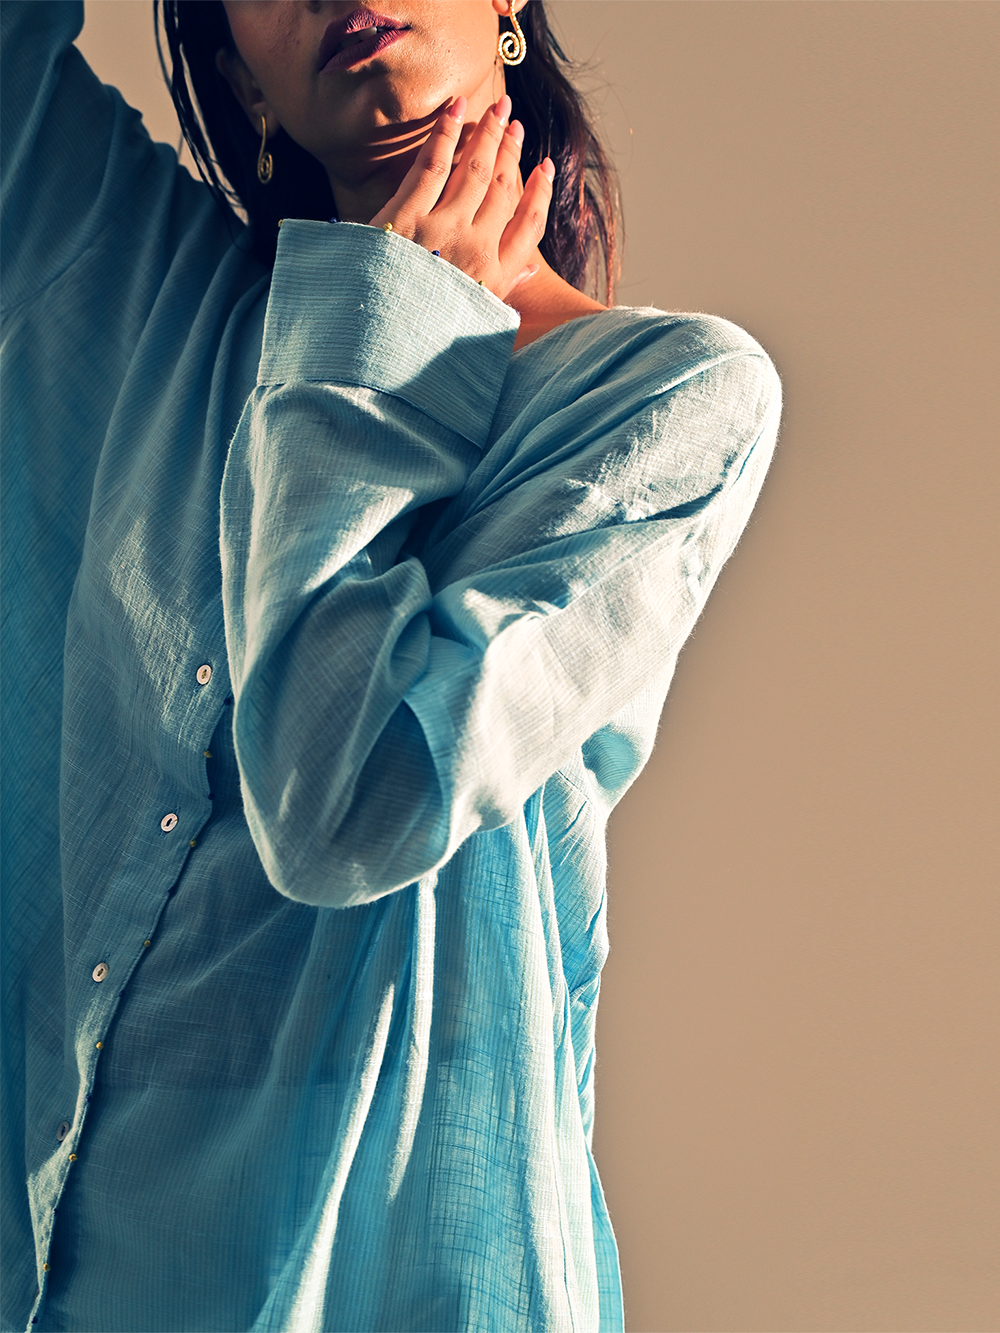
{"x":352,"y":565}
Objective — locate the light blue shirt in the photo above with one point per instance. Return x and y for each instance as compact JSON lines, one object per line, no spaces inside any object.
{"x":334,"y":630}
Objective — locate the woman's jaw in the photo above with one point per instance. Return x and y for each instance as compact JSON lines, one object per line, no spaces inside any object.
{"x":360,"y":88}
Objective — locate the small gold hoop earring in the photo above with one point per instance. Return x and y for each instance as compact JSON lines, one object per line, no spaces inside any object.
{"x":265,"y":162}
{"x":512,"y":46}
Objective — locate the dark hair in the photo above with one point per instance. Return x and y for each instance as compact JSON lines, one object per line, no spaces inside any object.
{"x":581,"y":239}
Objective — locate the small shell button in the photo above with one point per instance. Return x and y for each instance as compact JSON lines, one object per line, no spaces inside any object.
{"x":168,"y":823}
{"x":63,"y":1130}
{"x":100,"y":972}
{"x":203,"y":675}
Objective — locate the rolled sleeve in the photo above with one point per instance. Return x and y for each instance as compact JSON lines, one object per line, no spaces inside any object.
{"x":355,"y":306}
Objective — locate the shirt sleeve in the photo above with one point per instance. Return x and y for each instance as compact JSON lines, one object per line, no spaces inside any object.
{"x":79,"y":169}
{"x":386,"y":710}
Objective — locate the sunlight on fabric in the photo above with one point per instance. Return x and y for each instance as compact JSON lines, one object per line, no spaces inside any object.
{"x":422,"y":995}
{"x":306,"y":1315}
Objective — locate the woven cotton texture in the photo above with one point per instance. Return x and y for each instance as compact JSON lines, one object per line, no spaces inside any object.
{"x":334,"y":629}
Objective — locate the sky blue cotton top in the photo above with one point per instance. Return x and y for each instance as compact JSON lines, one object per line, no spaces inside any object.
{"x":334,"y":630}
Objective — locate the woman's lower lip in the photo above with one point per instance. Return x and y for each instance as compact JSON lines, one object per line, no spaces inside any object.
{"x":371,"y":46}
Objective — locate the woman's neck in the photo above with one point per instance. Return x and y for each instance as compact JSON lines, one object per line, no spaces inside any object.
{"x":546,"y":301}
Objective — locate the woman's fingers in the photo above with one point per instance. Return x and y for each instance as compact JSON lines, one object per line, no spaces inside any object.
{"x":503,"y":191}
{"x":526,"y":228}
{"x":424,"y":182}
{"x":473,"y":176}
{"x":475,"y":212}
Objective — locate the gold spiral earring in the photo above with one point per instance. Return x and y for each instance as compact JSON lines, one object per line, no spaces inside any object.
{"x":512,"y":46}
{"x":265,"y":162}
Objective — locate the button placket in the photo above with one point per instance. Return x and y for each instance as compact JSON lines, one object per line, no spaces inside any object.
{"x":68,"y":1134}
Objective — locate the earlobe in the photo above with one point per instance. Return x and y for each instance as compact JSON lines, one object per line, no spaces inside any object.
{"x":246,"y":91}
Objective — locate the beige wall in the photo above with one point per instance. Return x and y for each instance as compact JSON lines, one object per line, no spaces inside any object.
{"x":798,"y":1067}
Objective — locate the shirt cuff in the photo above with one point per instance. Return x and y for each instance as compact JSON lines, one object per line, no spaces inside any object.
{"x":354,"y":305}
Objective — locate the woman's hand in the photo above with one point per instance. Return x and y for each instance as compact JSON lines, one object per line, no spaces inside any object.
{"x":474,"y":213}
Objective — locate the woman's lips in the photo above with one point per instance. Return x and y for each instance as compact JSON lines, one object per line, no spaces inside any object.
{"x":361,"y":45}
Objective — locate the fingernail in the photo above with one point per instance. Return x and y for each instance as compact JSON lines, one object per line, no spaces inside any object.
{"x":502,"y":109}
{"x":549,"y":169}
{"x":525,"y":274}
{"x":516,"y":131}
{"x":457,"y":108}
